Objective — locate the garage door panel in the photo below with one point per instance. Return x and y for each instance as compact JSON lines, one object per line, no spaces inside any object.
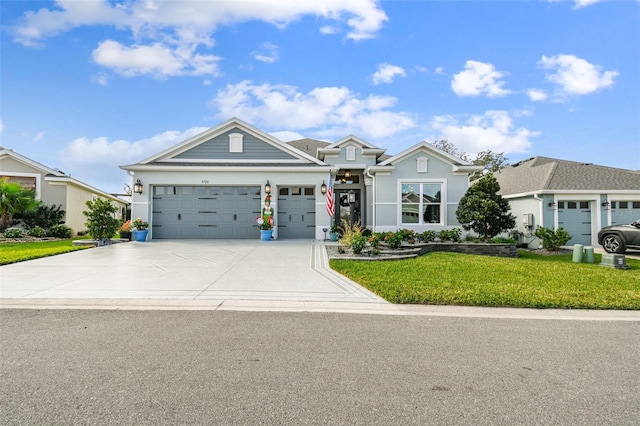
{"x":205,"y":212}
{"x":575,"y":218}
{"x":296,"y":212}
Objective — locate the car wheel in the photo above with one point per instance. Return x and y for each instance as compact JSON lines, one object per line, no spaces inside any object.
{"x":613,"y":244}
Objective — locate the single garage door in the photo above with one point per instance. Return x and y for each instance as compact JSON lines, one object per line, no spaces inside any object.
{"x":296,"y":212}
{"x":205,"y":211}
{"x":623,"y":212}
{"x":575,"y":218}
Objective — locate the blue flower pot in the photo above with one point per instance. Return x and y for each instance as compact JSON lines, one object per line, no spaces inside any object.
{"x":265,"y":234}
{"x":140,"y":235}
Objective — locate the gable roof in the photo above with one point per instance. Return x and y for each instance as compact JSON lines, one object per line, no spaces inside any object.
{"x":6,"y":152}
{"x":54,"y":175}
{"x":175,"y":154}
{"x":550,"y":174}
{"x":458,"y":164}
{"x":308,"y":145}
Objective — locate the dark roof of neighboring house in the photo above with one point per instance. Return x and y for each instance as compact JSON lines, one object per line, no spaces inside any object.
{"x":309,"y":146}
{"x":543,"y":173}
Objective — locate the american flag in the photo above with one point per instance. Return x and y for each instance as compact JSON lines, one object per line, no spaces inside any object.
{"x":330,"y":201}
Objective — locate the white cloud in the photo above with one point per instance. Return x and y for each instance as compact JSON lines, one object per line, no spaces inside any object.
{"x":479,"y":78}
{"x":494,"y":130}
{"x":537,"y":95}
{"x":576,"y":76}
{"x":439,"y":70}
{"x":157,"y":59}
{"x":170,"y":37}
{"x":386,"y":73}
{"x":267,"y":53}
{"x":101,"y":151}
{"x":324,"y":112}
{"x":39,"y":136}
{"x":1,"y":126}
{"x":101,"y":78}
{"x":287,"y":136}
{"x":583,"y":3}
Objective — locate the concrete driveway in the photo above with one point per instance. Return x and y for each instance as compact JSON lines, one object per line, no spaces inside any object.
{"x":193,"y":270}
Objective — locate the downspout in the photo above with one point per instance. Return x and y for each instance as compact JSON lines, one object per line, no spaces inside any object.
{"x":373,"y":196}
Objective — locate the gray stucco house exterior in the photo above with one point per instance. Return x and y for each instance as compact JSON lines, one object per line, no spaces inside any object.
{"x":579,"y":197}
{"x":214,"y":184}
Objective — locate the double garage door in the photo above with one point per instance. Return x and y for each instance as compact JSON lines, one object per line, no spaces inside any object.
{"x":205,"y":211}
{"x":228,"y":212}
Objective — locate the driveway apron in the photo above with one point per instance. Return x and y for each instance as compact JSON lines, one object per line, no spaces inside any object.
{"x":281,"y":270}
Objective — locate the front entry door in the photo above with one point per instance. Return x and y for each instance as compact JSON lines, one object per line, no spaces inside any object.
{"x":345,"y":210}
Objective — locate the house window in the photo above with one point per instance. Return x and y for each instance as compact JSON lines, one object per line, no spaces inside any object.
{"x":27,"y":182}
{"x":422,"y":165}
{"x":351,"y":153}
{"x":422,"y":203}
{"x":235,"y":142}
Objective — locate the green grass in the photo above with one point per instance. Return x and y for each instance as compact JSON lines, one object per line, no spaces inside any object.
{"x":17,"y":252}
{"x":530,"y":281}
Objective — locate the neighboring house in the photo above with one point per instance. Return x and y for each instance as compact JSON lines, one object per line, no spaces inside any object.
{"x":579,"y":197}
{"x":214,"y":184}
{"x":53,"y":187}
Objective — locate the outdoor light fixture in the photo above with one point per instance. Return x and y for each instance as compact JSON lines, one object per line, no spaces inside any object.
{"x":352,"y":197}
{"x":347,"y":173}
{"x":267,"y":187}
{"x":552,"y":205}
{"x":323,"y":188}
{"x":605,"y":204}
{"x":137,"y":187}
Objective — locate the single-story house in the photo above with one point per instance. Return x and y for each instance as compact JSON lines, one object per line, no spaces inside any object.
{"x":579,"y":197}
{"x":53,"y":187}
{"x":214,"y":185}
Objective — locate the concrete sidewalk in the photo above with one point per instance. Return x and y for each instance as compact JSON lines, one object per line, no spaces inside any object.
{"x":196,"y":270}
{"x":245,"y":275}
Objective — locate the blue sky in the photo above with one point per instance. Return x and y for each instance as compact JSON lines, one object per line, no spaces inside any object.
{"x":86,"y":86}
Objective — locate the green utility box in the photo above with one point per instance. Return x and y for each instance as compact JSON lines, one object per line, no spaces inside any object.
{"x":617,"y":261}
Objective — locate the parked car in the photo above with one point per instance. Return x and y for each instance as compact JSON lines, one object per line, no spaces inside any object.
{"x":618,"y":238}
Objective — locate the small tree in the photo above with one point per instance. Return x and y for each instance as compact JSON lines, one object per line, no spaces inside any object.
{"x":14,"y":199}
{"x":485,"y":211}
{"x":101,"y":223}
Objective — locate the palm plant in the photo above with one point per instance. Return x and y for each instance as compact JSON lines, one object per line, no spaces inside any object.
{"x":14,"y":199}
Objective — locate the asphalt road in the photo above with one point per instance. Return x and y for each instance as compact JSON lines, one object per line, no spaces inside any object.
{"x":232,"y":368}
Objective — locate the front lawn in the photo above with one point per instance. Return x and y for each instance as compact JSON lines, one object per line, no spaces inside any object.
{"x":530,"y":281}
{"x":18,"y":251}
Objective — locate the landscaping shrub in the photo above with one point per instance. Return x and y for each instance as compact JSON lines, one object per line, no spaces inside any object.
{"x":43,"y":216}
{"x":13,"y":233}
{"x":552,"y":239}
{"x":428,"y":236}
{"x":37,"y":232}
{"x":502,"y":240}
{"x":392,"y":240}
{"x":349,"y":231}
{"x":358,"y":243}
{"x":450,"y":235}
{"x":60,"y":231}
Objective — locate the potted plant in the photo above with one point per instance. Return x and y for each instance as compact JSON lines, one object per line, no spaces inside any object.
{"x":125,"y":230}
{"x":140,"y":230}
{"x":334,"y":233}
{"x":265,"y":222}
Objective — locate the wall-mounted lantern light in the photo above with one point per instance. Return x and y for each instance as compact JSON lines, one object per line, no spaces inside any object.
{"x":347,"y":173}
{"x":552,"y":204}
{"x":138,"y":187}
{"x":267,"y":187}
{"x":605,"y":204}
{"x":323,"y":188}
{"x":352,"y":197}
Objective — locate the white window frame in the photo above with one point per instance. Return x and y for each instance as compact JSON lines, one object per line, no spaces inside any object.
{"x":443,"y":201}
